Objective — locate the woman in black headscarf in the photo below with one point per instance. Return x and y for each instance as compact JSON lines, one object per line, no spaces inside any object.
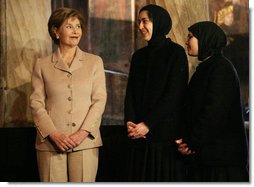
{"x":215,"y":138}
{"x":157,"y":83}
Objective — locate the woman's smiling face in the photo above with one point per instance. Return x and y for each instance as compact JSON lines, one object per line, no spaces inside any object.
{"x":145,"y":25}
{"x":70,"y":32}
{"x":192,"y":45}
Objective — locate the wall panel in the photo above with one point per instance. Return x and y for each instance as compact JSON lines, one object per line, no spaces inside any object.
{"x":26,"y":39}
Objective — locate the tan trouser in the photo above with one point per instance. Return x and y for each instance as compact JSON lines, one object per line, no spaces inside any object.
{"x":78,"y":166}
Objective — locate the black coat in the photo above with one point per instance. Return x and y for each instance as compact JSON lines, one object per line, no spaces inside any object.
{"x":157,"y":83}
{"x":214,"y":114}
{"x":158,"y":79}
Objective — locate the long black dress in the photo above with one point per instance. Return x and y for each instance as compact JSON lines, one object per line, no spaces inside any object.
{"x":157,"y":83}
{"x":214,"y":120}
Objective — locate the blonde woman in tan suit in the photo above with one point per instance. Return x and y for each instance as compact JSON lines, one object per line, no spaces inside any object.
{"x":67,"y":101}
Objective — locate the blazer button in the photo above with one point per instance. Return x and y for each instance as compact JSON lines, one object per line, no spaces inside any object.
{"x":73,"y":124}
{"x":69,"y":98}
{"x":69,"y":86}
{"x":68,"y":75}
{"x":70,"y":111}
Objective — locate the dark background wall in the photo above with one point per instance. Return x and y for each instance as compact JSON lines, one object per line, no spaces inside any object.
{"x":18,"y":156}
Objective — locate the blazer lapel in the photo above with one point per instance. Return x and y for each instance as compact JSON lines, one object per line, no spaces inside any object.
{"x":62,"y":66}
{"x":76,"y":64}
{"x":77,"y":61}
{"x":59,"y":64}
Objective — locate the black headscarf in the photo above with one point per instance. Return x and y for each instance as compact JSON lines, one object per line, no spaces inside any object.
{"x":211,"y":38}
{"x":162,"y":23}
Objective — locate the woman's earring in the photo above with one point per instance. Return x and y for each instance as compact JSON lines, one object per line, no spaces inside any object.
{"x":57,"y":37}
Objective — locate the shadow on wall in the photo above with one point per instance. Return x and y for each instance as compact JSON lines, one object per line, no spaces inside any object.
{"x":18,"y":80}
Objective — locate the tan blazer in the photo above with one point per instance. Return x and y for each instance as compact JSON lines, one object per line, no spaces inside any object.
{"x":67,"y":99}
